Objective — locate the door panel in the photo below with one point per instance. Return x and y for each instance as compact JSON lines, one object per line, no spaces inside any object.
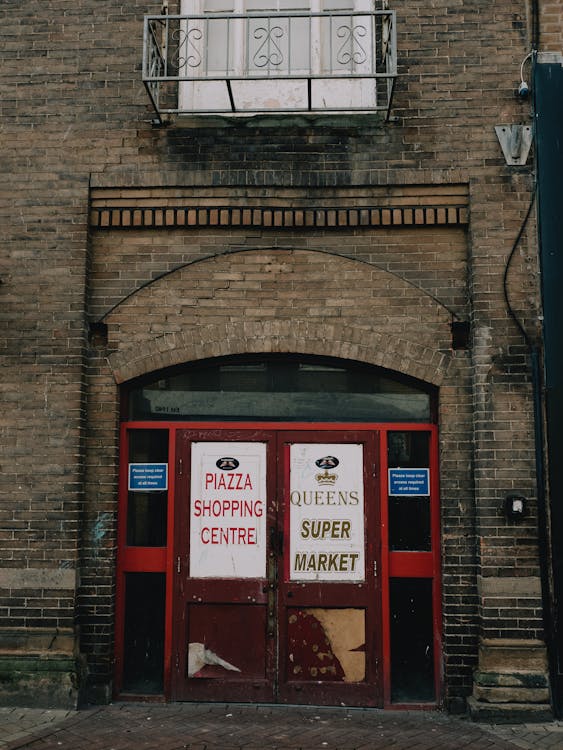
{"x":223,"y":642}
{"x":221,"y":628}
{"x":275,"y":597}
{"x":328,"y":611}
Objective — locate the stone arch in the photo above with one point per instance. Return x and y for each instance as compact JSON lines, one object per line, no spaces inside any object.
{"x":292,"y":301}
{"x":296,"y":337}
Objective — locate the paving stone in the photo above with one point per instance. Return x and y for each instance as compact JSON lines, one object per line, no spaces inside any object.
{"x":133,"y":726}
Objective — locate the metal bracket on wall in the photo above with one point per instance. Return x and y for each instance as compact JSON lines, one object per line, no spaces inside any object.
{"x":515,"y":141}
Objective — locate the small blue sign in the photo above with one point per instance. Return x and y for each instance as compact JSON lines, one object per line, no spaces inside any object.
{"x":409,"y":482}
{"x":148,"y":477}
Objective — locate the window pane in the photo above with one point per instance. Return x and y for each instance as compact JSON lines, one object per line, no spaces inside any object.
{"x":218,"y":48}
{"x":408,"y":449}
{"x":148,"y":446}
{"x":409,"y":516}
{"x":216,"y":6}
{"x":147,"y":511}
{"x":338,"y":5}
{"x":412,"y":654}
{"x":143,"y":660}
{"x":146,"y":519}
{"x":281,"y":388}
{"x":409,"y":524}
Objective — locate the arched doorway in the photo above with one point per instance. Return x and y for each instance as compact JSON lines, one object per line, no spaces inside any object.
{"x":279,"y":534}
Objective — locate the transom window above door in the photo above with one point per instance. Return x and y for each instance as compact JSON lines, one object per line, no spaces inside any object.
{"x":279,"y":387}
{"x":271,"y":56}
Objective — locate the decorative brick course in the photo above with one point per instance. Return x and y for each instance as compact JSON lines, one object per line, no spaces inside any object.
{"x":275,"y":218}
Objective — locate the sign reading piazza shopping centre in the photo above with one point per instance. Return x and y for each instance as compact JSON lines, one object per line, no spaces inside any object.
{"x":228,"y":512}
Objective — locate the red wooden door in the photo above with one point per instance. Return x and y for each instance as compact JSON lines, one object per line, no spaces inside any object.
{"x":223,"y":631}
{"x":329,"y":610}
{"x":275,"y":586}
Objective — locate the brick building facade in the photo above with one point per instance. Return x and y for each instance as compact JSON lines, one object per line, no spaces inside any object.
{"x":135,"y":250}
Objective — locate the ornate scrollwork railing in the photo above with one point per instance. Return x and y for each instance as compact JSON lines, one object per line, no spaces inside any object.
{"x":185,"y":53}
{"x":269,"y":53}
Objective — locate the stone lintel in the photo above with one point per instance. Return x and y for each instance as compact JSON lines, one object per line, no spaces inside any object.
{"x":38,"y":578}
{"x":512,"y":655}
{"x":38,"y":641}
{"x":497,"y":586}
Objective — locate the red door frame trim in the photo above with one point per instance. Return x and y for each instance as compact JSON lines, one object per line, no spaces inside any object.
{"x":286,"y":516}
{"x":395,"y":564}
{"x":385,"y":625}
{"x":169,"y":602}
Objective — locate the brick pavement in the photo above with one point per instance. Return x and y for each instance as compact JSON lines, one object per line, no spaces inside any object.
{"x":533,"y":736}
{"x":128,"y":726}
{"x":19,"y":723}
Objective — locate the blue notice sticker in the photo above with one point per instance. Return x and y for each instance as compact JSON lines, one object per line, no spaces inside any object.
{"x":409,"y":482}
{"x":148,"y":477}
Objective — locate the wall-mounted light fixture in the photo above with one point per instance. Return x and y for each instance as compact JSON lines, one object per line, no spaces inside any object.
{"x":523,"y":90}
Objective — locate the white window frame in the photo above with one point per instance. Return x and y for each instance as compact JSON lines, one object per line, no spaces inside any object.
{"x":237,"y":92}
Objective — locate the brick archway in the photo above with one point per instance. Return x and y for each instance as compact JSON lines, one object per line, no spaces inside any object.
{"x":295,"y":336}
{"x":261,"y":301}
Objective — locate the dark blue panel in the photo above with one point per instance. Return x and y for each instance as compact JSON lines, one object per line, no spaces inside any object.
{"x":549,"y":143}
{"x":548,"y":88}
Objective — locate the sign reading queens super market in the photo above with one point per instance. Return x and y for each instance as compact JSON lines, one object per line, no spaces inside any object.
{"x":326,"y":513}
{"x":228,"y":510}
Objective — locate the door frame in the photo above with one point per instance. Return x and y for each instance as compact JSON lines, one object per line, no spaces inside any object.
{"x":393,"y":564}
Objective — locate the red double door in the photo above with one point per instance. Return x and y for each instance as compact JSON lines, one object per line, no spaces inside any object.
{"x":276,"y":594}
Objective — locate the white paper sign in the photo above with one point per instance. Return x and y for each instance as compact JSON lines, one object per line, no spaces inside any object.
{"x":228,"y":510}
{"x":326,"y":513}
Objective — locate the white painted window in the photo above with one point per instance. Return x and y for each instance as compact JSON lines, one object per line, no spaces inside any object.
{"x":288,"y":59}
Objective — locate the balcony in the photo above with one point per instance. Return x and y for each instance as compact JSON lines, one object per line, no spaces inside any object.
{"x":339,"y":62}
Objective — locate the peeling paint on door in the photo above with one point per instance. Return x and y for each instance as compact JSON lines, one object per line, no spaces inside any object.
{"x":199,"y":657}
{"x":346,"y":632}
{"x":326,"y":645}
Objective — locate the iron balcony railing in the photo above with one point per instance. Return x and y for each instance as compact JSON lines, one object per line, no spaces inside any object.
{"x":284,"y":62}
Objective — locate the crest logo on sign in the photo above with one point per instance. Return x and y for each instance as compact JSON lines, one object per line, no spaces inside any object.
{"x":326,"y":463}
{"x":227,"y":463}
{"x":326,"y":478}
